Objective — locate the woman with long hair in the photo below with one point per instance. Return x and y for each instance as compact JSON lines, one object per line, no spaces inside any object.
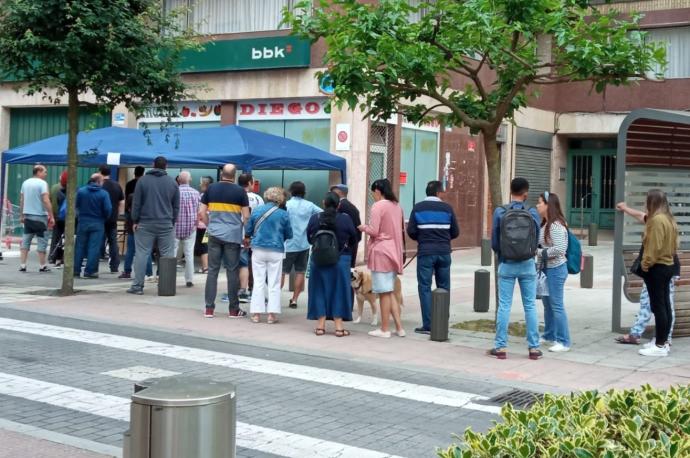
{"x":385,"y":256}
{"x":553,"y":238}
{"x":330,"y":295}
{"x":268,"y":228}
{"x":659,"y":245}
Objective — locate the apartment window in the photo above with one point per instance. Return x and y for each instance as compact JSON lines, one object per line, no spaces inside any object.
{"x":677,"y":41}
{"x":416,"y":17}
{"x":209,"y":17}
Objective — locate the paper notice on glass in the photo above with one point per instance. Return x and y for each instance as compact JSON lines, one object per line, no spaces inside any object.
{"x":113,"y":159}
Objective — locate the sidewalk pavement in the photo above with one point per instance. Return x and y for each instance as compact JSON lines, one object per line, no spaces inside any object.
{"x":16,"y":444}
{"x":595,"y":361}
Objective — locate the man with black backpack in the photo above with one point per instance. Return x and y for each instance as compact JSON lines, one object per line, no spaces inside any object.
{"x":514,"y":238}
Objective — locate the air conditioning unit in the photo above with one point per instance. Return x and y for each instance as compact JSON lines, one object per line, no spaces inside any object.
{"x":502,"y":134}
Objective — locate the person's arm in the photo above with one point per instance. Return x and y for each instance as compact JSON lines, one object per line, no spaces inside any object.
{"x":353,"y":233}
{"x":45,"y":197}
{"x":107,"y":207}
{"x":374,"y":227}
{"x":637,"y":214}
{"x":176,"y":205}
{"x":245,"y":215}
{"x":249,"y":226}
{"x":412,"y":225}
{"x":287,"y":227}
{"x":203,"y":213}
{"x":559,"y":241}
{"x":454,"y":227}
{"x":356,"y":221}
{"x":21,"y":207}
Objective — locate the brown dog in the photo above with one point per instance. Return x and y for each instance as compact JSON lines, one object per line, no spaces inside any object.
{"x":361,"y":283}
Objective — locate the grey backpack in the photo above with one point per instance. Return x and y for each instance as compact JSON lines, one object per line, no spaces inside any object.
{"x":518,"y":234}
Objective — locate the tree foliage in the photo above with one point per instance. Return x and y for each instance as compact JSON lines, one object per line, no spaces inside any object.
{"x":474,"y":60}
{"x":116,"y":51}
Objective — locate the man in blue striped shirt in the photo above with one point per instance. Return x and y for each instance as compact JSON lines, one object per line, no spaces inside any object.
{"x":433,"y":225}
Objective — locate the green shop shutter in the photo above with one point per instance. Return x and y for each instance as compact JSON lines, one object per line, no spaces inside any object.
{"x":535,"y":165}
{"x":32,"y":124}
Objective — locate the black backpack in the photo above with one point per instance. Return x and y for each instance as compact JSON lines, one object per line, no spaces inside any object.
{"x":324,"y":248}
{"x":518,"y":234}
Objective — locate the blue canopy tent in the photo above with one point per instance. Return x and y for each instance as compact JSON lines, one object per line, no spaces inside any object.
{"x":214,"y":146}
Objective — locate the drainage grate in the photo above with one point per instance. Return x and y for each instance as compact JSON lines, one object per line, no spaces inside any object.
{"x":518,"y":398}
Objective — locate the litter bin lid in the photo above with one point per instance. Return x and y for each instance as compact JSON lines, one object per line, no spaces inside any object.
{"x":184,"y":392}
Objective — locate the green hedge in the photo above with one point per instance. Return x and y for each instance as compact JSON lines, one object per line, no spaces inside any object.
{"x":644,"y":423}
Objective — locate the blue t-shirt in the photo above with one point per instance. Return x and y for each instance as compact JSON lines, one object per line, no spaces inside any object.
{"x":300,"y":211}
{"x":33,"y":190}
{"x":225,"y":201}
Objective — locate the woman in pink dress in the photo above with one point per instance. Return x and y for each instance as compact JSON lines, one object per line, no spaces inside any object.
{"x":384,"y":253}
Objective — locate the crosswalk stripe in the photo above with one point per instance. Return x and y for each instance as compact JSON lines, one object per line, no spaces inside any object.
{"x":404,"y":390}
{"x":249,"y":436}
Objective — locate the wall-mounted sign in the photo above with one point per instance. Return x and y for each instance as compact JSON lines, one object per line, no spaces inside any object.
{"x":119,"y":119}
{"x":247,"y":54}
{"x":471,"y":146}
{"x":403,"y":178}
{"x":281,"y":109}
{"x":326,"y":84}
{"x":342,"y":137}
{"x":188,"y":112}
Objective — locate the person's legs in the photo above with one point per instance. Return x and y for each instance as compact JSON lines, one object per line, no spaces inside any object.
{"x":643,"y":316}
{"x":129,"y":255}
{"x":299,"y":286}
{"x":80,"y":249}
{"x":165,"y":237}
{"x":143,"y":242}
{"x":442,"y":271}
{"x":527,"y":278}
{"x":395,"y":311}
{"x":188,"y":250}
{"x":671,"y":298}
{"x":25,"y":246}
{"x":114,"y":250}
{"x":42,"y":248}
{"x":274,"y":267}
{"x":215,"y":253}
{"x":506,"y":285}
{"x":424,"y":274}
{"x":657,"y":286}
{"x":549,"y":332}
{"x":669,"y":310}
{"x":231,"y":260}
{"x":385,"y":300}
{"x":556,"y":278}
{"x":60,"y":229}
{"x":54,"y":240}
{"x":259,"y":268}
{"x":95,"y":240}
{"x":301,"y":261}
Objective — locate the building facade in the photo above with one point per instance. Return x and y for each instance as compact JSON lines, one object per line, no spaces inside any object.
{"x":252,"y":73}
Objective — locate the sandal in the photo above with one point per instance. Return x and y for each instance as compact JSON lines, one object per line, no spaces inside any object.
{"x":204,"y":271}
{"x":628,"y":339}
{"x":342,"y":333}
{"x":319,"y":331}
{"x":272,"y":320}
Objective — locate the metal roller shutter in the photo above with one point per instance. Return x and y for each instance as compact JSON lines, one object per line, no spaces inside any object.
{"x":535,"y":165}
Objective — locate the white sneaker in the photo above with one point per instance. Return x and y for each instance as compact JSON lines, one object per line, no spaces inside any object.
{"x":380,"y":333}
{"x":401,"y":333}
{"x":559,"y":348}
{"x":150,"y":279}
{"x":357,"y":320}
{"x":654,"y":351}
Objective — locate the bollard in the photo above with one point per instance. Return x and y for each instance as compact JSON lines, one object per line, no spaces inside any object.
{"x":486,"y":252}
{"x":587,"y":272}
{"x":291,"y":280}
{"x":482,"y":290}
{"x":167,"y":278}
{"x":440,"y":313}
{"x":593,"y":234}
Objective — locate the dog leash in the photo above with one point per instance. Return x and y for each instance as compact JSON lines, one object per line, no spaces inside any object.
{"x":409,"y":261}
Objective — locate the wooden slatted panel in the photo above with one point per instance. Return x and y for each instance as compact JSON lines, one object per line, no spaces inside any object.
{"x":656,"y":143}
{"x":674,"y":182}
{"x":633,"y":286}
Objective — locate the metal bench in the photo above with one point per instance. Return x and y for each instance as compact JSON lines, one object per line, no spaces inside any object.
{"x":632,"y":286}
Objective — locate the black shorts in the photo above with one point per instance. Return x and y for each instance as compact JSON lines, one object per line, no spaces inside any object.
{"x":200,"y":248}
{"x":298,"y":259}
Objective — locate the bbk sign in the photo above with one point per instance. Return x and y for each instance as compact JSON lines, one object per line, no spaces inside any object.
{"x":275,"y":52}
{"x":281,"y":109}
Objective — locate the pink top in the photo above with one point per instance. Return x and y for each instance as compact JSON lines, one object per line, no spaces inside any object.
{"x":385,"y":231}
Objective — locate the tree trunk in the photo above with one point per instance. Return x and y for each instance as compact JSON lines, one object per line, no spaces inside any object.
{"x":493,"y":165}
{"x":72,"y":162}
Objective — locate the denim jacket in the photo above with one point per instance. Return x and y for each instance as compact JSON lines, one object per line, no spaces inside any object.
{"x":273,"y":232}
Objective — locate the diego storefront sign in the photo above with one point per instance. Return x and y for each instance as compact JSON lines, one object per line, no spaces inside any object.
{"x":260,"y":110}
{"x":188,"y":112}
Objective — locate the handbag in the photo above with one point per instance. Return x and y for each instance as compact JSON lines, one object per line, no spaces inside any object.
{"x":542,"y":285}
{"x":636,"y":267}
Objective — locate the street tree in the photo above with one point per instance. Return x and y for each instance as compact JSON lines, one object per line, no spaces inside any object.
{"x":469,"y":63}
{"x":115,"y":52}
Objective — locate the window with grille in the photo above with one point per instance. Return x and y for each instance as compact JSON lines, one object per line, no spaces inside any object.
{"x":209,"y":17}
{"x":380,"y":155}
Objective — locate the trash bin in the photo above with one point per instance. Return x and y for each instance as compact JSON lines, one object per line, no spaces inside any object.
{"x":182,"y":417}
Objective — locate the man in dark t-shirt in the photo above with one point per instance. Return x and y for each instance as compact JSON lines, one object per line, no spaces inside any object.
{"x":224,"y":208}
{"x":117,"y":200}
{"x":132,"y":184}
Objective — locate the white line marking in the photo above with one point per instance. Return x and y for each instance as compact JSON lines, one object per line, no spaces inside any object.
{"x":139,"y":373}
{"x":249,"y":436}
{"x":404,"y":390}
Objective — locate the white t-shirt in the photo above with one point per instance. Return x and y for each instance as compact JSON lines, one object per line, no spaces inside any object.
{"x":254,"y":200}
{"x":32,"y":190}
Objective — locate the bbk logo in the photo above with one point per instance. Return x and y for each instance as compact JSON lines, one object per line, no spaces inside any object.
{"x":270,"y":53}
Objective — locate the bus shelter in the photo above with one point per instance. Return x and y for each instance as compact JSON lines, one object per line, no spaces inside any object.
{"x":653,"y":152}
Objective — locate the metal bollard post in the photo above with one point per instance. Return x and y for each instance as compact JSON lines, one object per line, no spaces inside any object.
{"x":167,"y":277}
{"x":587,"y":272}
{"x":482,"y":290}
{"x":486,"y":252}
{"x":440,"y":314}
{"x":593,"y":234}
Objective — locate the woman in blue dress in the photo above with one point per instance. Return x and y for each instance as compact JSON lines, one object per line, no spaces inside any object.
{"x":330,"y":296}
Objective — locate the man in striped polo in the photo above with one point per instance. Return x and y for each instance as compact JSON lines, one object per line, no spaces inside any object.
{"x":433,"y":225}
{"x":224,"y":209}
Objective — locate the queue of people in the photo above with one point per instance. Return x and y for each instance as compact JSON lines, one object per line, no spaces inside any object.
{"x":260,"y":240}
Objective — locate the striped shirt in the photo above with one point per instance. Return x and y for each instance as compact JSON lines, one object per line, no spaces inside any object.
{"x":186,"y":219}
{"x":555,"y":247}
{"x":225,"y":201}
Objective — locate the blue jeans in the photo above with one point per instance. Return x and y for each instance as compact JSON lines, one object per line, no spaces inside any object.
{"x":525,"y":272}
{"x":113,"y":248}
{"x":438,"y":266}
{"x":89,"y":242}
{"x":129,"y":257}
{"x":555,"y":318}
